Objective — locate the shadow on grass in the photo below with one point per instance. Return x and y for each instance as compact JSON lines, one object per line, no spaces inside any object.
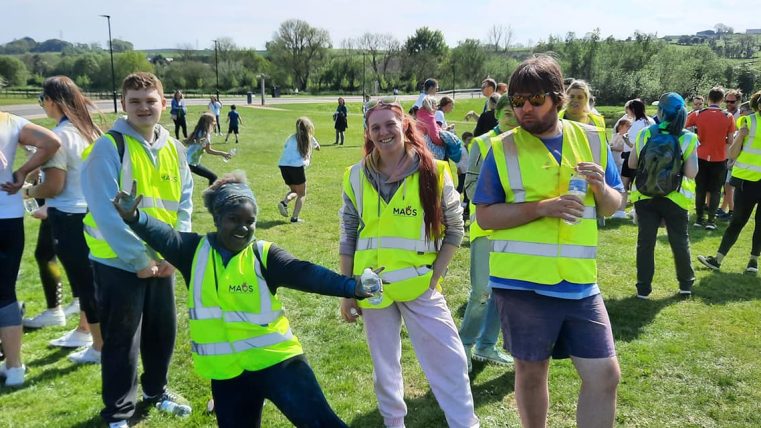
{"x":269,"y":224}
{"x":93,"y":422}
{"x":721,"y":288}
{"x":55,"y":355}
{"x":630,"y":315}
{"x":425,"y":412}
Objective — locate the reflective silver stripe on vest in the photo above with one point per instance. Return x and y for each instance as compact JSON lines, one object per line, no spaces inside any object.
{"x":406,"y":273}
{"x":752,"y":130}
{"x":199,"y":311}
{"x":226,"y":348}
{"x":595,"y":145}
{"x":748,"y":166}
{"x":261,"y":319}
{"x":265,"y":300}
{"x":544,"y":250}
{"x":750,"y":139}
{"x":589,"y":213}
{"x":420,"y":246}
{"x":127,"y":174}
{"x":356,"y":186}
{"x":94,"y":232}
{"x":514,"y":176}
{"x":149,"y":202}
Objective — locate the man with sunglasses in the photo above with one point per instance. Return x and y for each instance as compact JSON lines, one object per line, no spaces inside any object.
{"x":732,"y":100}
{"x":542,"y":264}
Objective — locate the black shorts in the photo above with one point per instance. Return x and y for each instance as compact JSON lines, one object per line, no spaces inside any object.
{"x":625,"y":170}
{"x":293,"y":175}
{"x":232,"y":129}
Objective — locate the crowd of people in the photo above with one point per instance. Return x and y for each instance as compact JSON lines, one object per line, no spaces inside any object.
{"x":536,"y":176}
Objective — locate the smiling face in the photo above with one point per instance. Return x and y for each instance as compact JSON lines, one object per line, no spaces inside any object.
{"x":384,"y":129}
{"x":236,"y":227}
{"x":143,"y":108}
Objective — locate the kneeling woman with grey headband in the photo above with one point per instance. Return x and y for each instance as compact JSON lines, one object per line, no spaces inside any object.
{"x":240,"y":338}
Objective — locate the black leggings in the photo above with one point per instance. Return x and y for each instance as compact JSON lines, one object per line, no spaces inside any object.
{"x":47,"y":264}
{"x":747,"y":196}
{"x":11,"y":250}
{"x":290,"y":385}
{"x":219,"y":129}
{"x":71,"y":248}
{"x":180,"y":123}
{"x":203,"y":172}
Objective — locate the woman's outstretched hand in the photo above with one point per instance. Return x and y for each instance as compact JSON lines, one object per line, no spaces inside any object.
{"x":126,"y":203}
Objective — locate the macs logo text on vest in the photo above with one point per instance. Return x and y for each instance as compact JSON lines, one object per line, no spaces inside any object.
{"x":170,"y":178}
{"x":240,"y":288}
{"x":405,"y":212}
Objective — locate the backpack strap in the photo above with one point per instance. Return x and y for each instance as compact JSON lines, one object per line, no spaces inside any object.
{"x":119,"y":140}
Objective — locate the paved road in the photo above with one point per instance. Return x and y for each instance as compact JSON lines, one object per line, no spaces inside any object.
{"x":34,"y":111}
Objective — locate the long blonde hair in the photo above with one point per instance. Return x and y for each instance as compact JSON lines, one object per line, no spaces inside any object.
{"x":304,"y":134}
{"x":65,"y":94}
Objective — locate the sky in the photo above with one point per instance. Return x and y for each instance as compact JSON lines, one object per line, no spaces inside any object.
{"x":157,"y":24}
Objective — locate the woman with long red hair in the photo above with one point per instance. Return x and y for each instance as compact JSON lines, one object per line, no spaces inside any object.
{"x":401,"y":213}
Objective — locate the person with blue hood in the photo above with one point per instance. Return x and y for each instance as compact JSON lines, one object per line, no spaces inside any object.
{"x":673,"y":208}
{"x":239,"y":335}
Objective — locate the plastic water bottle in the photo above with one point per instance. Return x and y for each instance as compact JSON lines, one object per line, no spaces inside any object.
{"x":168,"y":406}
{"x":371,"y":283}
{"x":31,"y":205}
{"x":233,"y":152}
{"x":577,"y":186}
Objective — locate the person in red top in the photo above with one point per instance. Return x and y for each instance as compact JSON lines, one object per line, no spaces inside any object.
{"x":715,"y":128}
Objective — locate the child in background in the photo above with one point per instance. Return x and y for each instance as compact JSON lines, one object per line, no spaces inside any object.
{"x":620,"y":140}
{"x":297,"y":153}
{"x":234,"y":118}
{"x":199,"y":142}
{"x":618,"y":144}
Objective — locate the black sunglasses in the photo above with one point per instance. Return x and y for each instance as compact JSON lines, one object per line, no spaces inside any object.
{"x":535,"y":100}
{"x":41,"y":99}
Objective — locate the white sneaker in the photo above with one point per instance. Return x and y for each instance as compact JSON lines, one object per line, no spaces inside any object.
{"x":14,"y":376}
{"x":73,"y":339}
{"x":120,"y":424}
{"x":50,"y":317}
{"x":72,"y":308}
{"x":85,"y":356}
{"x":619,"y":214}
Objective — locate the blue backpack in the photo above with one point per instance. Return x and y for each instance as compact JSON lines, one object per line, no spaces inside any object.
{"x":660,"y":165}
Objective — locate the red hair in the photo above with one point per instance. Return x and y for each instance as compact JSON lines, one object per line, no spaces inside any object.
{"x":429,"y":176}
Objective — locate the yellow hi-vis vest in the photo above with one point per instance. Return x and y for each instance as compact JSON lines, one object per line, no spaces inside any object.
{"x":392,"y":235}
{"x":236,"y":323}
{"x":685,"y":197}
{"x":748,"y":164}
{"x":160,"y":186}
{"x":547,"y":250}
{"x":484,"y":144}
{"x":595,"y":119}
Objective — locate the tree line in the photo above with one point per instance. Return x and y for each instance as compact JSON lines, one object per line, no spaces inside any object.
{"x":302,"y":57}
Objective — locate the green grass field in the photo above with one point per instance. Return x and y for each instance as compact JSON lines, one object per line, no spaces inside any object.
{"x":690,"y":363}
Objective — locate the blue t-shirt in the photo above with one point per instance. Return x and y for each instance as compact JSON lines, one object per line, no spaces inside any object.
{"x":233,"y":116}
{"x":489,"y":191}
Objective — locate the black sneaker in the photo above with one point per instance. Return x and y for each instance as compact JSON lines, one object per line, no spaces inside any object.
{"x":752,"y":267}
{"x":296,"y":220}
{"x":699,"y":223}
{"x":710,"y":226}
{"x":710,"y":262}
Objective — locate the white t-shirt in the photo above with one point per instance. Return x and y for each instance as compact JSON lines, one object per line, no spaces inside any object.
{"x":419,"y":101}
{"x":637,"y":126}
{"x":69,"y":159}
{"x":11,"y":206}
{"x":439,"y":117}
{"x":291,"y":155}
{"x":215,"y":108}
{"x":462,"y":165}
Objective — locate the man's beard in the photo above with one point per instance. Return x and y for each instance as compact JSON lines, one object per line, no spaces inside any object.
{"x":540,"y":126}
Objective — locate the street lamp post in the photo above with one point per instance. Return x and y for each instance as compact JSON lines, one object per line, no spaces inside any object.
{"x":363,"y":76}
{"x":216,"y":66}
{"x":113,"y":73}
